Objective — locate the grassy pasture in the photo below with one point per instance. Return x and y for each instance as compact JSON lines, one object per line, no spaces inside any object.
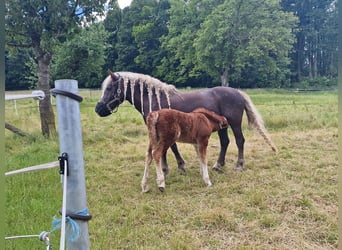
{"x":286,"y":200}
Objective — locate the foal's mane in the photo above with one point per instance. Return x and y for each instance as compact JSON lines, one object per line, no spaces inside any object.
{"x":151,"y":84}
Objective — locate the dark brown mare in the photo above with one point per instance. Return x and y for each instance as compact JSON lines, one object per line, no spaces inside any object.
{"x":166,"y":126}
{"x":146,"y":94}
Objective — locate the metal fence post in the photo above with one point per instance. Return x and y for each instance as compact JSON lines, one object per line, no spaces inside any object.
{"x":70,"y":141}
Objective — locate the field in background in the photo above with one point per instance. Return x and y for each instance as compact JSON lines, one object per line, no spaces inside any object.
{"x":286,"y":200}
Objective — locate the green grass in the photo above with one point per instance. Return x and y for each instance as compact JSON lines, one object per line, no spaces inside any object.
{"x":286,"y":200}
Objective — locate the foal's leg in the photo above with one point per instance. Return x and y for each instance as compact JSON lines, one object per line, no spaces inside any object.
{"x":201,"y":151}
{"x":160,"y":176}
{"x":164,"y":164}
{"x":180,"y":161}
{"x":157,"y":155}
{"x":144,"y":185}
{"x":224,"y":141}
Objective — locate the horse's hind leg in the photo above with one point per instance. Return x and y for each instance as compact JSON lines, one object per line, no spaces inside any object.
{"x":224,"y":141}
{"x":180,"y":161}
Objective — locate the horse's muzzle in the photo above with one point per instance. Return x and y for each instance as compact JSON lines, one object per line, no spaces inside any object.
{"x":102,"y":109}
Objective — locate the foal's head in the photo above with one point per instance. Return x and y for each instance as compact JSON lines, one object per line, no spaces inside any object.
{"x":218,"y":122}
{"x":112,"y":95}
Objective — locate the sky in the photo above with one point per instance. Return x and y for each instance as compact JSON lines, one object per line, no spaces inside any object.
{"x":124,"y":3}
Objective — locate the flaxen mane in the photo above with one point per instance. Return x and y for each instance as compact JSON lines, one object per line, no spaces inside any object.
{"x":151,"y":84}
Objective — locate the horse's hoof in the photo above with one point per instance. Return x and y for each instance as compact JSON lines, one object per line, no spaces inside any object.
{"x":239,"y":169}
{"x":239,"y":165}
{"x":218,"y":170}
{"x":166,"y":172}
{"x":161,"y":189}
{"x":181,"y":165}
{"x":218,"y":167}
{"x":181,"y":170}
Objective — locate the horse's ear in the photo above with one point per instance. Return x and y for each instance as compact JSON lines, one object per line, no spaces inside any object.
{"x":113,"y":75}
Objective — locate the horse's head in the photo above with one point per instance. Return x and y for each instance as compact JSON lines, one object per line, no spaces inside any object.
{"x":112,"y":95}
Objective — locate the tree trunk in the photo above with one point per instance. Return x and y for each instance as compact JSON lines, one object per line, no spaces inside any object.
{"x":47,"y":117}
{"x":315,"y":57}
{"x":300,"y":55}
{"x":224,"y":78}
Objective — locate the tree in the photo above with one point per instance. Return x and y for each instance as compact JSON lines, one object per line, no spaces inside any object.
{"x":112,"y":24}
{"x":245,"y":37}
{"x":17,"y":69}
{"x":41,"y":25}
{"x":125,"y":46}
{"x":137,"y":41}
{"x":315,"y":50}
{"x":152,"y":25}
{"x":82,"y":57}
{"x":178,"y":65}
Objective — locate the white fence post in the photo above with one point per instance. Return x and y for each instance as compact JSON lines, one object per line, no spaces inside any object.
{"x":70,"y":141}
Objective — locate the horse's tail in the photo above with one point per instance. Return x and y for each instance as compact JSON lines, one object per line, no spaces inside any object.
{"x":255,"y":120}
{"x":151,"y":122}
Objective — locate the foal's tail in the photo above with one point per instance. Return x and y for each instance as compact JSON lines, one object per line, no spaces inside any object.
{"x":151,"y":121}
{"x":255,"y":120}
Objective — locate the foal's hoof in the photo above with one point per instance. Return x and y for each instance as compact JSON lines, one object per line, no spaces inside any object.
{"x":161,"y":189}
{"x":145,"y":189}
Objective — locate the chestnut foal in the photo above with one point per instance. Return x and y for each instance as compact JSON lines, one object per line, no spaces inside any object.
{"x":167,"y":126}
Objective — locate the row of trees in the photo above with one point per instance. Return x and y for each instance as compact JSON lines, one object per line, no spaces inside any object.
{"x":240,"y":43}
{"x":188,"y":43}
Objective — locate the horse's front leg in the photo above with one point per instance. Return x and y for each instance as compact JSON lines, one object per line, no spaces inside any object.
{"x":240,"y":140}
{"x":224,"y":142}
{"x":180,"y":161}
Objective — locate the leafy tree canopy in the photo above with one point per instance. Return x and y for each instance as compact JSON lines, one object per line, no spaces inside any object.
{"x":41,"y":25}
{"x":82,"y":57}
{"x":188,"y":43}
{"x":178,"y":65}
{"x":245,"y":36}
